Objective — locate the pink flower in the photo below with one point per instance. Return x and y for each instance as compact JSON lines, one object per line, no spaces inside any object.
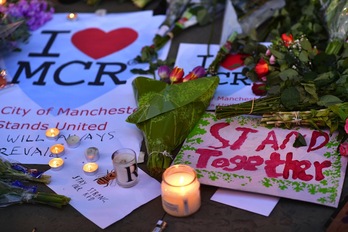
{"x":343,"y":148}
{"x":268,"y":52}
{"x":176,"y":75}
{"x":196,"y":73}
{"x":272,"y":59}
{"x":346,"y":126}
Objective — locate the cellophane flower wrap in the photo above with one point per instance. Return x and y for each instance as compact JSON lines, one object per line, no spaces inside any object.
{"x":167,"y":113}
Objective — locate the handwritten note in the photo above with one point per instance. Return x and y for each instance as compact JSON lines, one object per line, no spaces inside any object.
{"x":238,"y":153}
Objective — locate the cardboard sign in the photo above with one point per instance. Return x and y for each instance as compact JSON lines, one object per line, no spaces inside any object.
{"x":238,"y":153}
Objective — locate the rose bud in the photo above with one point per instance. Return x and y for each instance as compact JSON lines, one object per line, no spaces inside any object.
{"x":259,"y":88}
{"x":287,"y":39}
{"x":261,"y":68}
{"x":343,"y":148}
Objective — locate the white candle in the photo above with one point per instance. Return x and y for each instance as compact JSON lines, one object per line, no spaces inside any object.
{"x":126,"y":168}
{"x":52,"y":133}
{"x":72,"y":16}
{"x":180,"y":191}
{"x":90,"y":168}
{"x":57,"y":149}
{"x":56,"y":163}
{"x":92,"y":154}
{"x":73,"y":141}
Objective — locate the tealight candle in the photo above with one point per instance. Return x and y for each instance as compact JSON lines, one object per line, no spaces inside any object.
{"x":90,"y":168}
{"x":57,"y":149}
{"x":92,"y":154}
{"x":72,"y":16}
{"x":56,"y":163}
{"x":73,"y":141}
{"x":52,"y":133}
{"x":180,"y":191}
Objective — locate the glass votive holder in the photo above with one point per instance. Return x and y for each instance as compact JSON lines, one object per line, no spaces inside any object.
{"x":180,"y":191}
{"x":125,"y":165}
{"x":92,"y":154}
{"x":73,"y":141}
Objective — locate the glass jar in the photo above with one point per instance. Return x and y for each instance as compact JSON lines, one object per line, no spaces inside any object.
{"x":180,"y":191}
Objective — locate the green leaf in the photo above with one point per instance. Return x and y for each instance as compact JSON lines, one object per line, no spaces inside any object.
{"x":306,"y":45}
{"x":299,"y":141}
{"x":304,"y":56}
{"x":288,"y":74}
{"x":290,"y":98}
{"x":328,"y":100}
{"x":325,"y":79}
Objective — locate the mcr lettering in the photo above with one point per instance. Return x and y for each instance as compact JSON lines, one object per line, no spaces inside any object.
{"x":110,"y":69}
{"x":276,"y":166}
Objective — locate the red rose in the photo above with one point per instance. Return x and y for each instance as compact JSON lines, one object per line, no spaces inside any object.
{"x":261,"y":68}
{"x":287,"y":39}
{"x":259,"y":89}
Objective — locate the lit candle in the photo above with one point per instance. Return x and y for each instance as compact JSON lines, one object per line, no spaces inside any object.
{"x":72,"y":16}
{"x":57,"y":149}
{"x":2,"y":2}
{"x":180,"y":191}
{"x":90,"y":168}
{"x":52,"y":133}
{"x":92,"y":154}
{"x":73,"y":141}
{"x":56,"y":163}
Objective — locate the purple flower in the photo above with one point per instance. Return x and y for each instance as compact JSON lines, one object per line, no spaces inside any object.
{"x":163,"y":72}
{"x":196,"y":73}
{"x":34,"y":12}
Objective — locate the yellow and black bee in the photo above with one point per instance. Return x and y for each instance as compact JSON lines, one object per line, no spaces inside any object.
{"x":107,"y":179}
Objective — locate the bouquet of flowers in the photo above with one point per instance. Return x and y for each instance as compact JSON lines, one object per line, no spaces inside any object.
{"x":13,"y":191}
{"x":19,"y":17}
{"x":168,"y":110}
{"x":16,"y":193}
{"x":301,"y":85}
{"x":266,"y":20}
{"x":10,"y":171}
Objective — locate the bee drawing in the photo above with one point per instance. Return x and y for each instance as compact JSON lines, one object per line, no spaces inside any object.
{"x":106,"y":179}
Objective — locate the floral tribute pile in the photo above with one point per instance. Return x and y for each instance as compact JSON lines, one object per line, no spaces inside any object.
{"x":18,"y":18}
{"x":168,"y":109}
{"x":16,"y":188}
{"x":302,"y":79}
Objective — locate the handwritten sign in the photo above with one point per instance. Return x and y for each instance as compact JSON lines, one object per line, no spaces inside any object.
{"x":238,"y":153}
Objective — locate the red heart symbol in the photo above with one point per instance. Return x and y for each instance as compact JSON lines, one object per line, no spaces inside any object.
{"x":233,"y":61}
{"x":96,"y":43}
